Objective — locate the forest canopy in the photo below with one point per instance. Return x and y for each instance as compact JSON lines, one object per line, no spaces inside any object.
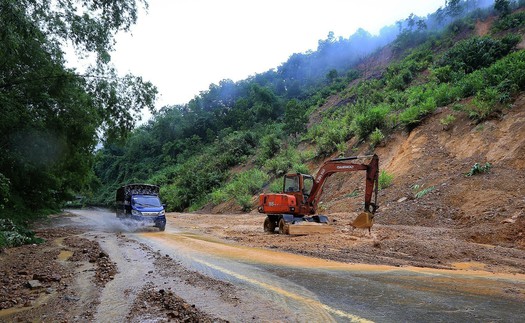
{"x":51,"y":115}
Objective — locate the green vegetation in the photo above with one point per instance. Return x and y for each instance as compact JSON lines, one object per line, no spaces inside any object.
{"x":447,"y":120}
{"x":257,"y":121}
{"x":376,"y":137}
{"x":419,"y":191}
{"x":12,"y":235}
{"x":385,"y":179}
{"x":477,"y":168}
{"x":241,"y":188}
{"x":52,"y":115}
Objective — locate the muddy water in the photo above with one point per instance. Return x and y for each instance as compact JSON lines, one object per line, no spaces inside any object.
{"x":287,"y":287}
{"x":323,"y":290}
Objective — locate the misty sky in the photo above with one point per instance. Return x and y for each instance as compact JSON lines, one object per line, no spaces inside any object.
{"x":182,"y":46}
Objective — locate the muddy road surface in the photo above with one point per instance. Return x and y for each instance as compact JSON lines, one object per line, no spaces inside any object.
{"x":190,"y":272}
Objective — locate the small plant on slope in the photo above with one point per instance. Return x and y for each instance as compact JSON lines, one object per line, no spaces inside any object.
{"x":385,"y":179}
{"x":419,"y":191}
{"x":478,"y":169}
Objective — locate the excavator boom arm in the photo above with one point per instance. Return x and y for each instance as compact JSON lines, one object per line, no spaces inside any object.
{"x":344,"y":165}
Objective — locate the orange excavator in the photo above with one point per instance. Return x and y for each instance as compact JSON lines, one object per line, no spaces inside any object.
{"x":294,"y":210}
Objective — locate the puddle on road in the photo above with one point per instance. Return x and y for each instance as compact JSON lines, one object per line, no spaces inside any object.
{"x":64,"y":255}
{"x":42,"y":299}
{"x":474,"y":265}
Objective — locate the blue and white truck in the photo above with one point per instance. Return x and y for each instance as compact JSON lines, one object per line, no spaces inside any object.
{"x":141,"y":203}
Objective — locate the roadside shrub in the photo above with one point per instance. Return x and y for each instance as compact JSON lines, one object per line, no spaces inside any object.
{"x":443,"y":74}
{"x":385,"y":179}
{"x":245,"y":201}
{"x":300,"y":168}
{"x":236,"y":147}
{"x":246,"y":183}
{"x":270,"y":145}
{"x":485,"y":105}
{"x":283,"y":162}
{"x":12,"y":235}
{"x":334,"y":132}
{"x":218,"y":196}
{"x":445,"y":93}
{"x":276,"y":186}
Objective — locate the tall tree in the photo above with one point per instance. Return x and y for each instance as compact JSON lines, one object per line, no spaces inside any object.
{"x":502,"y":6}
{"x":50,"y":114}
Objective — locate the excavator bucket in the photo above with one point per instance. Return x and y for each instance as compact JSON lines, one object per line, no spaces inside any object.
{"x":365,"y":220}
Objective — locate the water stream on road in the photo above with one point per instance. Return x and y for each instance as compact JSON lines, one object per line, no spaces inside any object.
{"x":352,"y":292}
{"x":311,"y":289}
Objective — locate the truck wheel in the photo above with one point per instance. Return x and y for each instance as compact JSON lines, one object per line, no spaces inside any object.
{"x":283,"y":227}
{"x":269,"y":225}
{"x":162,"y":228}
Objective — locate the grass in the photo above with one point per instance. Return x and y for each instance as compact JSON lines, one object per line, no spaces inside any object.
{"x":385,"y":179}
{"x":419,"y":191}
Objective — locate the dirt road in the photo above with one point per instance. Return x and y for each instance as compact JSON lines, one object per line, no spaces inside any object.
{"x":211,"y":268}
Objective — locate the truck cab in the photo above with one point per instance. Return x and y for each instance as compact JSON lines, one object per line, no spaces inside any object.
{"x":141,"y":203}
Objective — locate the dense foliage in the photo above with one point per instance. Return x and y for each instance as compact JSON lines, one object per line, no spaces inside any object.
{"x":237,"y":138}
{"x":51,"y":115}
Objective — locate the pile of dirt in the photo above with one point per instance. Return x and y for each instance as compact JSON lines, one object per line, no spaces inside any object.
{"x":160,"y":305}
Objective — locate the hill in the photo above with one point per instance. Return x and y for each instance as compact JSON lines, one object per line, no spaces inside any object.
{"x":451,"y":171}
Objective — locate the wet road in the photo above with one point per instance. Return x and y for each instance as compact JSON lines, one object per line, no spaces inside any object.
{"x":320,"y":290}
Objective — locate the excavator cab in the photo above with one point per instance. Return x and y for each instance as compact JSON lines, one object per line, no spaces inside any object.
{"x":298,"y":183}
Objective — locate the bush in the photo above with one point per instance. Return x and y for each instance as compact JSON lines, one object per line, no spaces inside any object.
{"x":477,"y":52}
{"x":12,"y":235}
{"x":376,"y":137}
{"x":218,"y":196}
{"x":329,"y":134}
{"x":385,"y":179}
{"x":485,"y":105}
{"x":245,"y":201}
{"x":478,"y":169}
{"x":413,"y":116}
{"x":447,"y":120}
{"x":269,"y":146}
{"x":276,"y":186}
{"x":511,"y":21}
{"x":300,"y":168}
{"x":365,"y":123}
{"x":283,"y":162}
{"x":241,"y":188}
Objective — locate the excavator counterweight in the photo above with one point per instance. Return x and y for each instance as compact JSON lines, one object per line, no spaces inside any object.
{"x":294,"y":210}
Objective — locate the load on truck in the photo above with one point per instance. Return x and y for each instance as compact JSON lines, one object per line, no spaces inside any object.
{"x":294,"y":210}
{"x":141,"y":202}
